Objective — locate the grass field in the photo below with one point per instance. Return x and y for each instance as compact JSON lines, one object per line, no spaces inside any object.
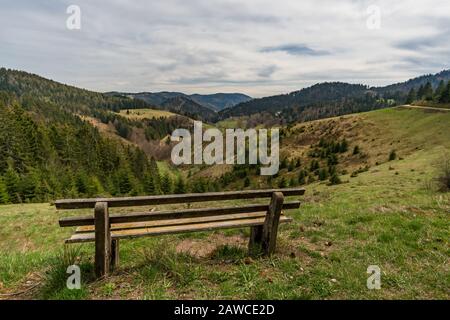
{"x":390,"y":216}
{"x":146,"y":113}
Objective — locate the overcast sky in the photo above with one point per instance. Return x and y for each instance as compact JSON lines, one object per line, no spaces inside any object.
{"x":251,"y":46}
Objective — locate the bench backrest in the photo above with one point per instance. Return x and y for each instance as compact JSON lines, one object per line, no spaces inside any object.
{"x":172,"y":199}
{"x":175,"y":198}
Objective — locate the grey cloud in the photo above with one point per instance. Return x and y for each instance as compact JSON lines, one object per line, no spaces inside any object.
{"x":268,"y":71}
{"x":296,"y":49}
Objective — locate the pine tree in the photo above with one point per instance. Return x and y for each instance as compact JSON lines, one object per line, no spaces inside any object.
{"x":292,"y":182}
{"x":282,"y":183}
{"x":411,"y":96}
{"x":343,"y":147}
{"x":392,"y":155}
{"x":302,"y":177}
{"x":166,"y":184}
{"x":12,"y":182}
{"x":149,"y":184}
{"x":439,"y":90}
{"x":4,"y":197}
{"x":180,"y":185}
{"x":334,"y":179}
{"x":428,"y":92}
{"x":445,"y":96}
{"x":124,"y":182}
{"x":246,"y":182}
{"x":421,"y":92}
{"x":323,"y":174}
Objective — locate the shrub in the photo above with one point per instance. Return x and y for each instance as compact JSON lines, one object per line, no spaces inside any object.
{"x":443,"y":179}
{"x":392,"y":155}
{"x":334,"y":179}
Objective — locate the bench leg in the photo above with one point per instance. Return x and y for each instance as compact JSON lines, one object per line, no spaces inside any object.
{"x":270,"y":227}
{"x":114,"y":254}
{"x":255,"y":242}
{"x":102,"y":240}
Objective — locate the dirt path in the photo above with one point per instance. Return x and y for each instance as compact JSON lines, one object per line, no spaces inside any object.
{"x":422,"y":107}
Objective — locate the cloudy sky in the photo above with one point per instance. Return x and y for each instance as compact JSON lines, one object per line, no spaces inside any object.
{"x":257,"y":47}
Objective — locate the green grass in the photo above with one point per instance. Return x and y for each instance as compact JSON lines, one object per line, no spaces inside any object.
{"x":391,"y":218}
{"x":145,"y":113}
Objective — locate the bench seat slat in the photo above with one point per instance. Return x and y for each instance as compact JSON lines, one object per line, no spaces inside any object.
{"x":173,"y":229}
{"x":173,"y":222}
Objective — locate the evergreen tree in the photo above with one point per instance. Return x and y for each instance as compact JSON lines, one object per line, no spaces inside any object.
{"x":428,"y":92}
{"x":439,"y":90}
{"x":4,"y":197}
{"x":302,"y":177}
{"x":282,"y":183}
{"x":166,"y":184}
{"x":445,"y":96}
{"x":292,"y":182}
{"x":246,"y":182}
{"x":12,"y":182}
{"x":149,"y":184}
{"x":323,"y":174}
{"x":180,"y":185}
{"x":124,"y":183}
{"x":343,"y":147}
{"x":334,"y":179}
{"x":421,"y":92}
{"x":411,"y":96}
{"x":392,"y":155}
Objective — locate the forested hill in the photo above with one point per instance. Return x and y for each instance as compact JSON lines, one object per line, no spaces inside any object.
{"x":318,"y":101}
{"x":68,"y":97}
{"x":332,"y":99}
{"x":46,"y":152}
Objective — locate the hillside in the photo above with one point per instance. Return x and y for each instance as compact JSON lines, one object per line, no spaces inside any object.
{"x":48,"y":153}
{"x":189,"y":108}
{"x":331,"y":99}
{"x":388,"y":214}
{"x":67,"y":97}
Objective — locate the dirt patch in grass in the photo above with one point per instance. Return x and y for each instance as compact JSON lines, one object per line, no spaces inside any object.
{"x":201,"y":248}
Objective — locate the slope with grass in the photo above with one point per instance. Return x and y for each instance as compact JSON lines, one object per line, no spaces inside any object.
{"x":391,"y":216}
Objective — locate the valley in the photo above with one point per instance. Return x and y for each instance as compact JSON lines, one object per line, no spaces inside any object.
{"x":374,"y":174}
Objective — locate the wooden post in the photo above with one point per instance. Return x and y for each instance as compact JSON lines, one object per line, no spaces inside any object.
{"x":254,"y":244}
{"x":102,"y":239}
{"x":270,"y":227}
{"x":114,"y":253}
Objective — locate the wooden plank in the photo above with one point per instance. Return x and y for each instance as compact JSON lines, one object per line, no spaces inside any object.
{"x":270,"y":228}
{"x":102,"y":239}
{"x":173,"y":214}
{"x":175,"y":222}
{"x":136,"y":233}
{"x":175,"y":198}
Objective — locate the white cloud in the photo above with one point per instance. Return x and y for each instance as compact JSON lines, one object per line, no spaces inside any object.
{"x":256,"y":47}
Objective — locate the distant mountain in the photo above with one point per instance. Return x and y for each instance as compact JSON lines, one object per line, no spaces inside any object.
{"x":216,"y":101}
{"x":188,"y":107}
{"x":331,"y":99}
{"x":220,"y":101}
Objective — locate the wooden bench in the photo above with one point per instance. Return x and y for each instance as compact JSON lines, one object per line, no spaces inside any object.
{"x":106,"y":230}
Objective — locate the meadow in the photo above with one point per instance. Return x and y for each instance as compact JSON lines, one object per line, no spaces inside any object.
{"x":391,"y":215}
